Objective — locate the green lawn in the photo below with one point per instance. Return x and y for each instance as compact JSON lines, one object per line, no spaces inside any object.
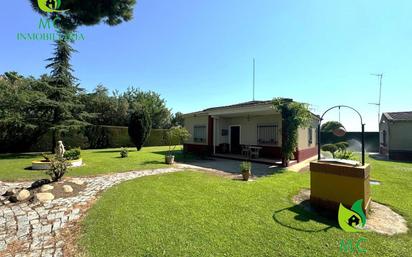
{"x":14,"y":167}
{"x":200,"y":214}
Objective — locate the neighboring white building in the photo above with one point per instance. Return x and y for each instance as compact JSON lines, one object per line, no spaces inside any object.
{"x":395,"y":135}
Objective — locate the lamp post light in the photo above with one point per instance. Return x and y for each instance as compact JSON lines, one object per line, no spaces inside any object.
{"x":341,"y":131}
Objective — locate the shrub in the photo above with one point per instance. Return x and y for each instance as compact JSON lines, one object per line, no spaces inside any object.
{"x":124,"y":152}
{"x":342,"y":145}
{"x":347,"y":155}
{"x":173,"y":137}
{"x":72,"y":154}
{"x":245,"y":166}
{"x":139,"y":127}
{"x":330,"y":148}
{"x":47,"y":157}
{"x":58,"y":167}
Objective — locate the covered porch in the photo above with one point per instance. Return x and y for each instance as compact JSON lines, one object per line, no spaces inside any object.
{"x":253,"y":134}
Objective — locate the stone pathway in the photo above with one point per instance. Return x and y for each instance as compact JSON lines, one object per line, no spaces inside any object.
{"x":32,"y":229}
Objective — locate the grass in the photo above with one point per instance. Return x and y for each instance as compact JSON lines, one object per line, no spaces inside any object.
{"x":15,"y":167}
{"x":201,"y":214}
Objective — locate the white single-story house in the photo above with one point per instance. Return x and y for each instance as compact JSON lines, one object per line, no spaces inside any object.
{"x":395,"y":135}
{"x":226,"y":130}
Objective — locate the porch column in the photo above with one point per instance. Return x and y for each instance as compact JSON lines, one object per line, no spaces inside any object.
{"x":210,"y":138}
{"x":215,"y":138}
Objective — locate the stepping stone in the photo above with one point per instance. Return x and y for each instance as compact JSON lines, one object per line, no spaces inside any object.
{"x":77,"y":181}
{"x":23,"y":195}
{"x":67,"y":189}
{"x":45,"y":188}
{"x":44,"y":197}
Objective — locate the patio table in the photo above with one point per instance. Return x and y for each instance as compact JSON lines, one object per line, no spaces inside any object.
{"x":254,"y":151}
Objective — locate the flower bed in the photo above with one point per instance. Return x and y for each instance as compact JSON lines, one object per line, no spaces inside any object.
{"x":45,"y":165}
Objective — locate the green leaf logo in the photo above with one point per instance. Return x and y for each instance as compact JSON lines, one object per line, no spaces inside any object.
{"x":50,"y":5}
{"x":353,"y":219}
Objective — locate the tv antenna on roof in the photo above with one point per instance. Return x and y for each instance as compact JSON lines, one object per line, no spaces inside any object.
{"x":253,"y":79}
{"x":380,"y":94}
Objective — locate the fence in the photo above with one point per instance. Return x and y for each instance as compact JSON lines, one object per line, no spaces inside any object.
{"x":354,"y":139}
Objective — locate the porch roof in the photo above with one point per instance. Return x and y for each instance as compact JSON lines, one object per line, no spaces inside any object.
{"x":241,"y":108}
{"x":251,"y":107}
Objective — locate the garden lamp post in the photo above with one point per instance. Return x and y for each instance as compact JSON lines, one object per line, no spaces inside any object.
{"x":341,"y":131}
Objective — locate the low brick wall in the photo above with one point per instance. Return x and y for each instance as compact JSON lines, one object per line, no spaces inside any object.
{"x":304,"y":154}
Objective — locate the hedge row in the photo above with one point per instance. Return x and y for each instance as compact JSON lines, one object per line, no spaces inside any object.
{"x":93,"y":137}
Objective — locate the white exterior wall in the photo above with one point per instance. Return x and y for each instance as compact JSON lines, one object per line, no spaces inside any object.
{"x":190,"y":122}
{"x":248,"y":128}
{"x":400,"y":136}
{"x":303,"y":136}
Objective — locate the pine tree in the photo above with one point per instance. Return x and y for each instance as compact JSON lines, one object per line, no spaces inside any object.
{"x":65,"y":110}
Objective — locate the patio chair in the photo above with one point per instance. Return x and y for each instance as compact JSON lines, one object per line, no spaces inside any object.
{"x":245,"y":150}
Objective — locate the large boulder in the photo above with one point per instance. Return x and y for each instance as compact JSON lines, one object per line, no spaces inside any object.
{"x":45,"y":188}
{"x":23,"y":195}
{"x":67,"y":189}
{"x":44,"y":197}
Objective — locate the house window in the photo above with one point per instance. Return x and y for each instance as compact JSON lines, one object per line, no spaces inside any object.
{"x":384,"y":138}
{"x":199,"y":134}
{"x":267,"y":134}
{"x":310,"y":136}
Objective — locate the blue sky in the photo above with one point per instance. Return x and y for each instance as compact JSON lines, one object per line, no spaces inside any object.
{"x":198,"y":54}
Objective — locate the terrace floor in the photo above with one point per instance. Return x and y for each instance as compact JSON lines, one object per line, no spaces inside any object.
{"x":262,"y":160}
{"x":232,"y":165}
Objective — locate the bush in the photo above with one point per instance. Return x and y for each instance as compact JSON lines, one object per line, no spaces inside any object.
{"x":173,"y":137}
{"x":342,"y":145}
{"x":330,"y":148}
{"x":245,"y":166}
{"x":347,"y":155}
{"x":124,"y":152}
{"x":58,"y":167}
{"x":139,"y":127}
{"x":72,"y":154}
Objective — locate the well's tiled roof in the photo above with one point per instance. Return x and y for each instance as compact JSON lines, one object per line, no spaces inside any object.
{"x":399,"y":115}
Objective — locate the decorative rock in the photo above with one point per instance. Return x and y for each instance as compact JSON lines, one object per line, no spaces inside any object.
{"x":45,"y":188}
{"x":23,"y":195}
{"x":77,"y":181}
{"x":44,"y":197}
{"x":67,"y":189}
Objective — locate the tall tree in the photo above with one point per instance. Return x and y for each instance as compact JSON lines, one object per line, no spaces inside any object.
{"x":79,"y":12}
{"x":21,"y":112}
{"x":153,"y":103}
{"x":66,"y":110}
{"x":177,"y":119}
{"x":139,"y":127}
{"x":90,"y":12}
